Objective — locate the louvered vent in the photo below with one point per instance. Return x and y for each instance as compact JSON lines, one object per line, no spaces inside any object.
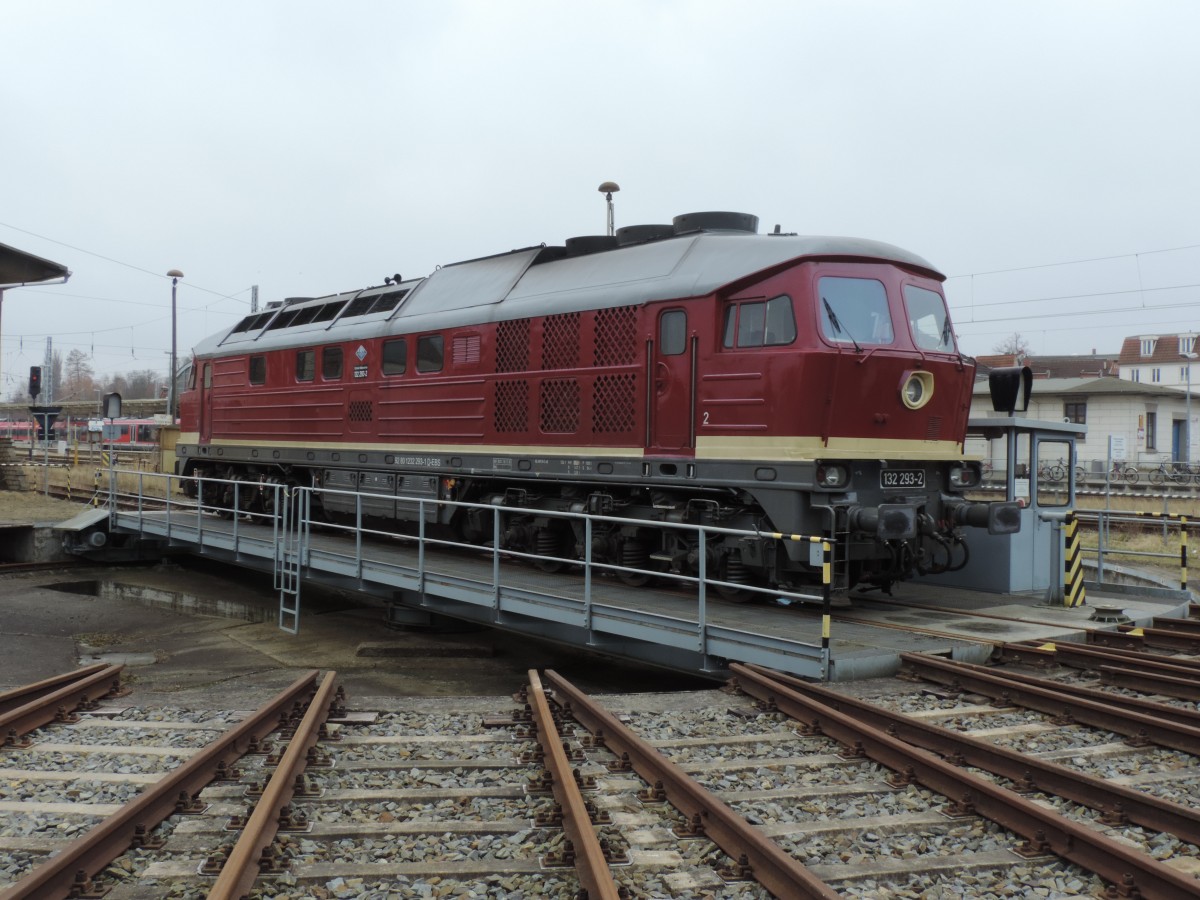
{"x":361,"y":411}
{"x":560,"y":341}
{"x":615,"y":339}
{"x":512,"y":406}
{"x":560,"y":406}
{"x":465,"y":349}
{"x":613,"y":404}
{"x":933,"y":430}
{"x":512,"y":346}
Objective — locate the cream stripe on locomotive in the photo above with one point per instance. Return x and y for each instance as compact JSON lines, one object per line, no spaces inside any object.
{"x":788,"y":449}
{"x":777,"y":449}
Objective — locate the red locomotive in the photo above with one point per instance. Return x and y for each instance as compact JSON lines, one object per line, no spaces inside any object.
{"x":694,"y":372}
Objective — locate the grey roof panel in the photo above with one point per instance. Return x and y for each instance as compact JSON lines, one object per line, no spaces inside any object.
{"x":480,"y":282}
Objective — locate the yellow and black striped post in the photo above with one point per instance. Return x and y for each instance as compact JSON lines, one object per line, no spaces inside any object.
{"x":96,"y":489}
{"x":1073,"y":590}
{"x":1183,"y":553}
{"x":68,"y":483}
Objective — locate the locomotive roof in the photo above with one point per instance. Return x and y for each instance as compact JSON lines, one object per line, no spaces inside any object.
{"x":536,"y":281}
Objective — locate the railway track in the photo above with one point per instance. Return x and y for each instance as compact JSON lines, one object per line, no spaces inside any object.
{"x":954,"y":779}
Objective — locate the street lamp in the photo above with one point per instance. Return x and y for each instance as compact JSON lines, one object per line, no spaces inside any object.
{"x":174,"y":275}
{"x":608,"y":189}
{"x":1187,"y":425}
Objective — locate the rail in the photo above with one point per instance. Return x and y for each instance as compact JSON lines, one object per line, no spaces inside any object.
{"x":366,"y":551}
{"x":1103,"y":521}
{"x":69,"y":872}
{"x":1042,"y":828}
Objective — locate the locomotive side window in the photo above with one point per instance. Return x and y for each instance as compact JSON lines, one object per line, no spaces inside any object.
{"x":854,"y":311}
{"x":672,"y":332}
{"x":928,"y":320}
{"x":395,"y":357}
{"x":258,"y":370}
{"x":430,"y":350}
{"x":757,"y":324}
{"x":331,"y":363}
{"x":306,"y":365}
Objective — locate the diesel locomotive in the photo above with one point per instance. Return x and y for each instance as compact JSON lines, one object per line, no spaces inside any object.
{"x":696,"y":372}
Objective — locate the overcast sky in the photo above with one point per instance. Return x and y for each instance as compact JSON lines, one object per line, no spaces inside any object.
{"x":1043,"y":155}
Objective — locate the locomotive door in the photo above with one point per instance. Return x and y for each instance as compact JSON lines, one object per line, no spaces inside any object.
{"x":671,"y":383}
{"x":206,"y":403}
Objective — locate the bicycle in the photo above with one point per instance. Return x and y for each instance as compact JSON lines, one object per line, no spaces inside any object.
{"x":1123,"y":471}
{"x":1177,"y":472}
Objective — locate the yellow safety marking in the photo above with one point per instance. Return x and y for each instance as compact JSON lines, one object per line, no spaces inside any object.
{"x":1136,"y":632}
{"x":1047,"y":647}
{"x":825,"y":627}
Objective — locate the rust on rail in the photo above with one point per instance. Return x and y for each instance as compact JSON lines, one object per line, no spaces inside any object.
{"x":1070,"y":840}
{"x":768,"y":863}
{"x":100,"y":845}
{"x":55,"y":702}
{"x":242,"y":866}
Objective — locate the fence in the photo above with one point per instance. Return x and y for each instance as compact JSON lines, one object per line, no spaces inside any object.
{"x":289,"y":513}
{"x":1104,"y":520}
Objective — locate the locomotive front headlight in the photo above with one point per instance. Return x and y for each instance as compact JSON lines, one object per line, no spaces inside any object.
{"x":832,"y":475}
{"x":916,"y":389}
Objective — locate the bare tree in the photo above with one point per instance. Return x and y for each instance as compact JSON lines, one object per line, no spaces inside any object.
{"x":80,"y":383}
{"x":1013,"y":345}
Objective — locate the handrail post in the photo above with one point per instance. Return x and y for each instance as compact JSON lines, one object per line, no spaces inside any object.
{"x":826,"y":605}
{"x":702,"y":598}
{"x":1183,"y":554}
{"x":587,"y":578}
{"x":358,"y":559}
{"x":496,"y":566}
{"x":421,"y":546}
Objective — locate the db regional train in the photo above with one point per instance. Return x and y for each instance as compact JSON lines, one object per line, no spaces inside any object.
{"x":696,"y":372}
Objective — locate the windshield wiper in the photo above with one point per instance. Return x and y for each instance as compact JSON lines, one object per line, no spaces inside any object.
{"x":837,"y":326}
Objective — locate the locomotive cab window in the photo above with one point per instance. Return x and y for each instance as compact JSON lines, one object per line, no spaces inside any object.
{"x":258,"y":370}
{"x":306,"y":365}
{"x":672,"y":332}
{"x":430,"y":351}
{"x":759,"y":323}
{"x":928,"y":320}
{"x":854,"y":311}
{"x":331,"y":363}
{"x":395,"y":356}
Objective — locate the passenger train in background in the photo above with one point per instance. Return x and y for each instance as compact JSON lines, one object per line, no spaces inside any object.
{"x":132,"y":434}
{"x":696,"y":372}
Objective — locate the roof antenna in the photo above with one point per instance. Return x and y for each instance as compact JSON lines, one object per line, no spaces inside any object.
{"x":609,"y":188}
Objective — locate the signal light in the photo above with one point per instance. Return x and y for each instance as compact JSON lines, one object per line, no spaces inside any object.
{"x":35,"y":380}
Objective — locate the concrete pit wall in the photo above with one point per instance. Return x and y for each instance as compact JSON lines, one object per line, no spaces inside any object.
{"x":31,"y":543}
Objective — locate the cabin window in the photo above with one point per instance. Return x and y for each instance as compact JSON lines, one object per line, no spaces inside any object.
{"x":207,"y":377}
{"x":672,"y":332}
{"x":306,"y":365}
{"x":258,"y":370}
{"x":928,"y":321}
{"x":854,"y":311}
{"x":331,"y":363}
{"x":759,"y":323}
{"x":430,"y":351}
{"x":395,"y":356}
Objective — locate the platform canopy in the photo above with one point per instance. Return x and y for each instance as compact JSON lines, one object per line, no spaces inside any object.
{"x":18,"y":267}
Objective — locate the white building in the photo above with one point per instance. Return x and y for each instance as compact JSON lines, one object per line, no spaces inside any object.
{"x":1149,"y":418}
{"x":1162,"y":359}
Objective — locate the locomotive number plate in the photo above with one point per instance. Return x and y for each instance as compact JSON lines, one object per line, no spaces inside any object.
{"x":902,"y":478}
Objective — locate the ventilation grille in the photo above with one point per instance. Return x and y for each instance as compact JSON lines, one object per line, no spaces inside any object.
{"x":613,"y":404}
{"x":361,"y":411}
{"x":512,"y":406}
{"x":560,"y":406}
{"x":933,"y":430}
{"x":512,"y":346}
{"x":465,"y":349}
{"x":560,"y":341}
{"x":616,"y":334}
